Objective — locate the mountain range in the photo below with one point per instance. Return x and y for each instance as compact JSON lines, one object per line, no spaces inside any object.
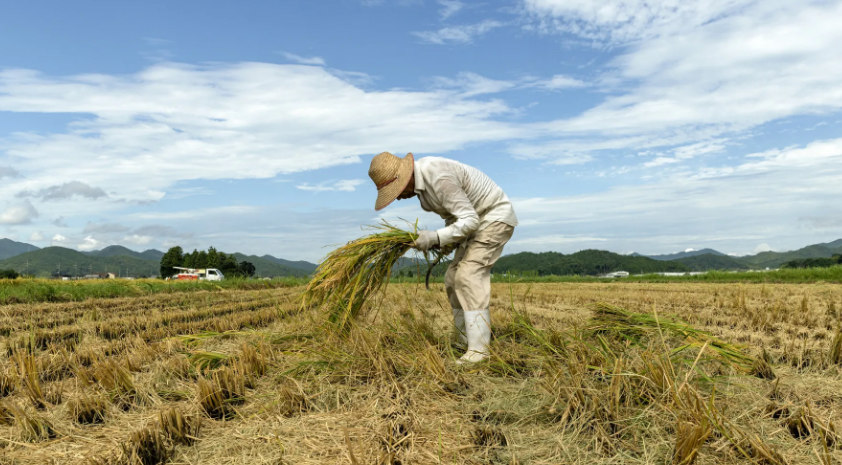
{"x":10,"y":248}
{"x":27,"y":258}
{"x":120,"y":260}
{"x":709,"y":259}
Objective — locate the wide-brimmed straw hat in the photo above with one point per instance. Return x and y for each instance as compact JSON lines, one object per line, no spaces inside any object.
{"x":390,"y":174}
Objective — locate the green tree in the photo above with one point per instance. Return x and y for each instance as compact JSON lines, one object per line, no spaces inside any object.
{"x":174,"y":257}
{"x":228,"y":265}
{"x":213,"y":258}
{"x":200,"y":260}
{"x":247,"y":269}
{"x":8,"y":274}
{"x":188,"y":259}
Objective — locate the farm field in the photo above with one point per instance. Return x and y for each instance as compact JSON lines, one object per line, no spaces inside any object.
{"x":244,"y":376}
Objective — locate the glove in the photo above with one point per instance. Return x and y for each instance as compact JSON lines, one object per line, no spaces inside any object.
{"x":426,"y":240}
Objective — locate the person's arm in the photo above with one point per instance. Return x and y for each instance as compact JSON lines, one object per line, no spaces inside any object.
{"x":456,"y":202}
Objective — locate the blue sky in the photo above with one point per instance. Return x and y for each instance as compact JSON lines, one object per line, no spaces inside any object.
{"x":626,"y":125}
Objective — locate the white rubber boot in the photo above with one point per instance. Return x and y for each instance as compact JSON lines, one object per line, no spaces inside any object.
{"x":478,"y":327}
{"x":459,"y":325}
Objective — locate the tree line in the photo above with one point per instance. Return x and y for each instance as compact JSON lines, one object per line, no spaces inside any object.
{"x":9,"y":274}
{"x":814,"y":262}
{"x":200,"y":259}
{"x":585,"y":262}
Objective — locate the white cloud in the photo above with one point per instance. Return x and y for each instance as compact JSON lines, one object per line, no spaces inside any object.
{"x":464,"y":34}
{"x":699,"y":71}
{"x":561,"y":153}
{"x":618,"y":22}
{"x":66,"y":191}
{"x":449,"y":8}
{"x":104,"y":228}
{"x":762,"y":248}
{"x":470,"y":84}
{"x":172,"y":123}
{"x":59,"y":238}
{"x":559,"y":81}
{"x":135,"y":239}
{"x":88,"y":244}
{"x":346,"y":185}
{"x":315,"y":61}
{"x":22,"y":213}
{"x":557,"y":240}
{"x":36,"y":236}
{"x":770,"y":198}
{"x":8,"y":172}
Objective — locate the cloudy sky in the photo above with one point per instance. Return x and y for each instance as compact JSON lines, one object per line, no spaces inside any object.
{"x":628,"y":125}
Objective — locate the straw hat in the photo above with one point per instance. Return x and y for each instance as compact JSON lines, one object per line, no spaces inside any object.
{"x":391,"y":175}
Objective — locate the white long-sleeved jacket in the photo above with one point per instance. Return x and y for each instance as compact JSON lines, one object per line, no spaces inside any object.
{"x":463,"y":196}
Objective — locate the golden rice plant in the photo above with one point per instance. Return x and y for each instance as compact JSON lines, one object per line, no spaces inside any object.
{"x":33,"y":428}
{"x":7,"y":383}
{"x":217,"y":397}
{"x":7,"y":418}
{"x":253,"y":361}
{"x":146,"y":447}
{"x":28,"y":373}
{"x":205,"y":361}
{"x":178,"y":428}
{"x":835,"y":355}
{"x":88,"y":410}
{"x":55,"y":394}
{"x":634,"y":326}
{"x":352,"y":274}
{"x":117,"y":380}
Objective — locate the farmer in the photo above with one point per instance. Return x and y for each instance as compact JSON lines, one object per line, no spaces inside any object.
{"x":478,"y":217}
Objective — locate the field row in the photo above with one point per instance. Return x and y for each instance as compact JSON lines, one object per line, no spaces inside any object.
{"x":556,"y":390}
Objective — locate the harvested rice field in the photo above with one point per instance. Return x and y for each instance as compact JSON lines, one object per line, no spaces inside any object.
{"x":248,"y":377}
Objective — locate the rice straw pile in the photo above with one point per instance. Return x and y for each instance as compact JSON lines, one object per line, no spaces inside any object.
{"x":634,"y":326}
{"x":352,"y":274}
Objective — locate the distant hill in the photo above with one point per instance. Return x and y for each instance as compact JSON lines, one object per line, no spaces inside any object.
{"x":300,"y":264}
{"x":119,"y":250}
{"x":269,"y":268}
{"x":758,"y":261}
{"x":585,"y":262}
{"x":116,"y":259}
{"x":10,"y":248}
{"x":44,"y":262}
{"x":776,"y":259}
{"x":678,"y":255}
{"x":706,"y":262}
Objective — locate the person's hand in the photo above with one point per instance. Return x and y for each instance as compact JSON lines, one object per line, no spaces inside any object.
{"x":426,"y":240}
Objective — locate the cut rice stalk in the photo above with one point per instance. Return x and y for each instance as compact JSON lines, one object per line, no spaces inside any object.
{"x":352,"y":274}
{"x":631,"y":325}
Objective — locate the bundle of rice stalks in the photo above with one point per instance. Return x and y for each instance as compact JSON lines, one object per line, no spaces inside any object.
{"x":7,"y":418}
{"x":32,"y":427}
{"x":146,"y":447}
{"x":28,"y":374}
{"x":217,"y":398}
{"x":835,"y":355}
{"x":205,"y":361}
{"x":7,"y":383}
{"x":636,"y":326}
{"x":352,"y":274}
{"x":88,"y":410}
{"x":179,"y":428}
